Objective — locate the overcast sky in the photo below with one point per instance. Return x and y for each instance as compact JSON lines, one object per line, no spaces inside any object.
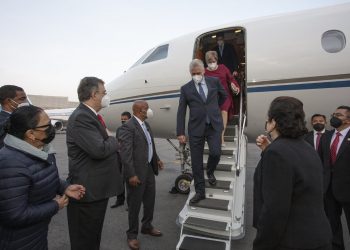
{"x":46,"y":47}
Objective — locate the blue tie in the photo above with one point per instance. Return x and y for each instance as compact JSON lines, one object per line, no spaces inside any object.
{"x":149,"y":141}
{"x":201,"y":92}
{"x":204,"y":98}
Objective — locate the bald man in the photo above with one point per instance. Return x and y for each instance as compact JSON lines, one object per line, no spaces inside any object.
{"x":141,"y":163}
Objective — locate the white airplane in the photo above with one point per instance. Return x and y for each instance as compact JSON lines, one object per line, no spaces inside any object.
{"x":303,"y":54}
{"x":59,"y":117}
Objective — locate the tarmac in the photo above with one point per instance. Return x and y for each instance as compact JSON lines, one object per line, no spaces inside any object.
{"x":167,"y":207}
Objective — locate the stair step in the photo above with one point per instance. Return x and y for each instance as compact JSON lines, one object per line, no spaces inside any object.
{"x":212,"y":204}
{"x":229,"y":138}
{"x":204,"y":223}
{"x":219,"y":185}
{"x":221,"y":167}
{"x":191,"y":243}
{"x":224,"y":151}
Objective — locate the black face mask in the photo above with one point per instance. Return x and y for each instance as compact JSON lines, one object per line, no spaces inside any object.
{"x":318,"y":126}
{"x":336,"y":122}
{"x":123,"y":122}
{"x":50,"y":134}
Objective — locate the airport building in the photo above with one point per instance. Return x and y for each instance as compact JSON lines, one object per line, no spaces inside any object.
{"x":52,"y":102}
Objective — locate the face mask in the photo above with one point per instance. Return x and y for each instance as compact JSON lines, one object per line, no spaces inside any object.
{"x":197,"y":78}
{"x":50,"y":134}
{"x":123,"y":122}
{"x":23,"y":104}
{"x":220,"y":42}
{"x":336,"y":122}
{"x":149,"y":113}
{"x":318,"y":126}
{"x":212,"y":66}
{"x":105,"y":101}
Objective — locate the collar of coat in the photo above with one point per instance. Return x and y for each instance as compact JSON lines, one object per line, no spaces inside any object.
{"x":24,"y":146}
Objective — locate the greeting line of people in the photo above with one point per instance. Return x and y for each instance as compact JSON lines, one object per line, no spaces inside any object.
{"x":300,"y":183}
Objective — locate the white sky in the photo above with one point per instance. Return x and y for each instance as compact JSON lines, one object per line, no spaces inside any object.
{"x":46,"y":47}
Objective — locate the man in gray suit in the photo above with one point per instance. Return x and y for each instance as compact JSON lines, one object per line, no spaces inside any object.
{"x":93,"y":163}
{"x":140,"y":164}
{"x":203,"y":96}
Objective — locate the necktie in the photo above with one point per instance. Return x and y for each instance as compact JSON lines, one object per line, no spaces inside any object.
{"x":149,"y":141}
{"x":204,"y":98}
{"x":334,"y":147}
{"x":100,"y":118}
{"x":221,"y":48}
{"x":201,"y":92}
{"x":318,"y":138}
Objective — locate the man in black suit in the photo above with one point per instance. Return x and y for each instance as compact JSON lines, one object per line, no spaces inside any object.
{"x":140,"y":164}
{"x":203,"y":96}
{"x":318,"y":123}
{"x":335,"y":154}
{"x":226,"y":54}
{"x":93,"y":163}
{"x":11,"y":97}
{"x":124,"y":117}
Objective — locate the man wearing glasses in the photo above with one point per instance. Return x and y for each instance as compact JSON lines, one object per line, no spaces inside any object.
{"x":334,"y":151}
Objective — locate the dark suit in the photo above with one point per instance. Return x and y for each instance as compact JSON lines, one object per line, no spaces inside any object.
{"x":134,"y":154}
{"x":336,"y":185}
{"x":288,"y":198}
{"x":93,"y":163}
{"x":228,"y":57}
{"x":309,"y":137}
{"x":199,"y":129}
{"x":3,"y":118}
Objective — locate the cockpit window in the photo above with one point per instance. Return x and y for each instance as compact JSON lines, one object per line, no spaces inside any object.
{"x":159,"y":53}
{"x":142,"y":58}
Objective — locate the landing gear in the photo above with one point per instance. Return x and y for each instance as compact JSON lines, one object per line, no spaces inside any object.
{"x":183,"y":183}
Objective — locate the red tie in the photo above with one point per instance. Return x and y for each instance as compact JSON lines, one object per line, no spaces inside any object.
{"x":334,"y":147}
{"x":318,"y":138}
{"x":100,"y":118}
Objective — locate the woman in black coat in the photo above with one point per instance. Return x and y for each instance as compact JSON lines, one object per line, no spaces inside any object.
{"x":30,"y":189}
{"x":288,"y":190}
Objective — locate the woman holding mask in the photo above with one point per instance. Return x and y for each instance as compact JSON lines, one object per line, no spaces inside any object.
{"x":227,"y":81}
{"x":30,"y":189}
{"x":288,"y":190}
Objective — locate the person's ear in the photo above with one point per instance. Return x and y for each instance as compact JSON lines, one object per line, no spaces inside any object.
{"x":273,"y":123}
{"x":29,"y":134}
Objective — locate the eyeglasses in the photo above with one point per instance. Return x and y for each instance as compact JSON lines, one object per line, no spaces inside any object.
{"x":43,"y":126}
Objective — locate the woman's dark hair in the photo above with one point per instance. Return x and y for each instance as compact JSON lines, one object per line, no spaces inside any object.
{"x":289,"y":116}
{"x":21,"y":120}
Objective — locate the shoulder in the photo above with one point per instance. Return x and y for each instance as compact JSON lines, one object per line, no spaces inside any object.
{"x":210,"y":79}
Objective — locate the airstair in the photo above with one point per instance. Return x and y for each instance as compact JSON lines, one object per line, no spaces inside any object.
{"x":212,"y":223}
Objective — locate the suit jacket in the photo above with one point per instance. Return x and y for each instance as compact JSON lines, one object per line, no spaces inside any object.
{"x":288,"y":189}
{"x":134,"y":150}
{"x":309,"y":137}
{"x":338,"y":175}
{"x":228,"y":58}
{"x":92,"y":155}
{"x":198,"y":109}
{"x":3,"y":118}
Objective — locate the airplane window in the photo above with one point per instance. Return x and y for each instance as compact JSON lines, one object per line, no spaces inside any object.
{"x":159,"y":53}
{"x":333,"y":41}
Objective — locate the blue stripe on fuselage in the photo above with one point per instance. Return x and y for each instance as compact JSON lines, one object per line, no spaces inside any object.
{"x":300,"y":86}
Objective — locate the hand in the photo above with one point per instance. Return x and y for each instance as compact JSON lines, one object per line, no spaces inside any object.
{"x":134,"y":181}
{"x":75,"y":191}
{"x":262,"y":142}
{"x":234,"y":88}
{"x":182,"y":139}
{"x":62,"y":201}
{"x":160,"y":165}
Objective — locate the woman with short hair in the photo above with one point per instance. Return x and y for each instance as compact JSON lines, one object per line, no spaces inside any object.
{"x":30,"y":189}
{"x":288,"y":190}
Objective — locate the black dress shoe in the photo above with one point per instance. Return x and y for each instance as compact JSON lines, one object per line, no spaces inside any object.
{"x":196,"y":198}
{"x":118,"y":203}
{"x":211,"y":179}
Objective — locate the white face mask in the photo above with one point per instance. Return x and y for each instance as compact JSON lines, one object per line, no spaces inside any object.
{"x":23,"y":104}
{"x":105,"y":101}
{"x":197,"y":78}
{"x":220,"y":42}
{"x":149,"y":113}
{"x":212,"y":66}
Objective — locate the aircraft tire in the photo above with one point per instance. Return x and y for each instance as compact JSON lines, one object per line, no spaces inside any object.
{"x":183,"y":183}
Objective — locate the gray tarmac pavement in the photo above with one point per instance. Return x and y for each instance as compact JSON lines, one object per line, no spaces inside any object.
{"x":167,"y":207}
